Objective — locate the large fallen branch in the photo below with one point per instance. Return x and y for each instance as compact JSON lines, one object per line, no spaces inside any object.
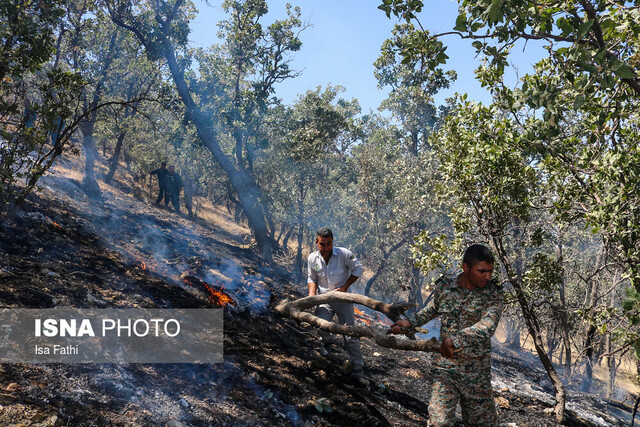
{"x":295,"y":310}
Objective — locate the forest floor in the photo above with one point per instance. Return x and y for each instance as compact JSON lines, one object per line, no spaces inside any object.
{"x":122,"y":252}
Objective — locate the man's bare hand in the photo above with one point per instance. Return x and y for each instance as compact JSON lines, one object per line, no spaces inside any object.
{"x":400,"y":327}
{"x":447,"y":349}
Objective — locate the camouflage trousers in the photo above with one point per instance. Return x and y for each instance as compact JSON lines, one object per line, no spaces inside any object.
{"x":467,"y":382}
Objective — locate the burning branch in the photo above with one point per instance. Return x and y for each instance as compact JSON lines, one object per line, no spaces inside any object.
{"x":218,"y":296}
{"x":295,"y":309}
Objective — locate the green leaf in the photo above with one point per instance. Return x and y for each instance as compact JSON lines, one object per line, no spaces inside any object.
{"x":461,"y":22}
{"x":578,"y":102}
{"x":624,"y":71}
{"x":477,"y":44}
{"x":442,"y":58}
{"x":636,"y":347}
{"x":495,"y":14}
{"x":565,"y":25}
{"x":584,"y":28}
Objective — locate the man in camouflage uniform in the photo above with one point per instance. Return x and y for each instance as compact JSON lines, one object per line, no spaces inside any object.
{"x":469,"y":306}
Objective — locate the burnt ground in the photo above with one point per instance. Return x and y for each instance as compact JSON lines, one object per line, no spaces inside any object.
{"x":64,"y":250}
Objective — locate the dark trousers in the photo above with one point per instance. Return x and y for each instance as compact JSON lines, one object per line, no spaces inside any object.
{"x":175,"y":200}
{"x":163,"y":193}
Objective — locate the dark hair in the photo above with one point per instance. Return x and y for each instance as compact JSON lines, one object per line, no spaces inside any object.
{"x":163,"y":164}
{"x":477,"y":253}
{"x":324,"y":232}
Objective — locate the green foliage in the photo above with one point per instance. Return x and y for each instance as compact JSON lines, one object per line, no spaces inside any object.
{"x":436,"y":252}
{"x":491,"y":181}
{"x":38,"y":106}
{"x":544,"y":273}
{"x":575,"y":122}
{"x":27,"y":35}
{"x":305,"y":171}
{"x":413,"y":80}
{"x":37,"y":134}
{"x":600,"y":39}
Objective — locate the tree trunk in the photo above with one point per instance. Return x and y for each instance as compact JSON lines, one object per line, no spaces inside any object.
{"x":588,"y":370}
{"x":298,"y":265}
{"x":611,"y":365}
{"x":591,"y":332}
{"x":415,"y":294}
{"x":285,"y":241}
{"x":113,"y":163}
{"x":563,"y":321}
{"x":248,"y":192}
{"x":552,"y":344}
{"x":512,"y":332}
{"x":611,"y":360}
{"x":382,"y":265}
{"x":534,"y":329}
{"x":372,"y":279}
{"x":89,"y":183}
{"x":295,"y":309}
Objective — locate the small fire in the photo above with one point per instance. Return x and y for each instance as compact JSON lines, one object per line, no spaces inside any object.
{"x":362,"y":316}
{"x":56,"y":224}
{"x":143,"y":265}
{"x":217,"y":294}
{"x":219,"y":297}
{"x":384,"y":320}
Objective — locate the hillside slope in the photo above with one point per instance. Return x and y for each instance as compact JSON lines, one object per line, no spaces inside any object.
{"x":64,"y":250}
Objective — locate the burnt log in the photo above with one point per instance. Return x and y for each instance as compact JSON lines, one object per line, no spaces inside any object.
{"x":295,"y":310}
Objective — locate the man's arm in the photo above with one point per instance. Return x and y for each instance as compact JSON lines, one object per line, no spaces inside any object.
{"x":482,"y":330}
{"x":313,"y":288}
{"x":349,"y":282}
{"x":354,"y":267}
{"x":428,"y":313}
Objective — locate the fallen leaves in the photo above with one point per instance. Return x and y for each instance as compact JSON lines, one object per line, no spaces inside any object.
{"x":12,"y":388}
{"x":502,"y":402}
{"x":322,"y":404}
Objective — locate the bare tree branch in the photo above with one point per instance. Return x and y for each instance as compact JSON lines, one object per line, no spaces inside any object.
{"x":294,"y":309}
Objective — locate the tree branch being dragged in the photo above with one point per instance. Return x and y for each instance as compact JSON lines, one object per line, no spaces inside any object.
{"x":295,"y":310}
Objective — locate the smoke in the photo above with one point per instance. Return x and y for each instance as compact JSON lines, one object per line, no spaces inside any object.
{"x":522,"y":374}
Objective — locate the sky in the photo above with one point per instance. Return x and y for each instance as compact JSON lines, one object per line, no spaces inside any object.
{"x":344,"y":40}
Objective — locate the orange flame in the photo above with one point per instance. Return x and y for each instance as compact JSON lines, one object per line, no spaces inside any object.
{"x":361,"y":315}
{"x":56,"y":224}
{"x":217,"y":296}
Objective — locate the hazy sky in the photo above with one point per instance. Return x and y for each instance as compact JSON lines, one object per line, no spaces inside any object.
{"x":344,"y":41}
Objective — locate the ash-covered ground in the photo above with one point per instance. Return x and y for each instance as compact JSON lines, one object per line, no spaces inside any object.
{"x":122,"y":252}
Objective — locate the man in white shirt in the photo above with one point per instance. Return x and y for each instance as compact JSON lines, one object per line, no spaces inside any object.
{"x":335,"y":269}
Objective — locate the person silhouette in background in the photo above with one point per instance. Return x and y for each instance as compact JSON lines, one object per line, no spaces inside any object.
{"x":163,"y":183}
{"x":174,"y":185}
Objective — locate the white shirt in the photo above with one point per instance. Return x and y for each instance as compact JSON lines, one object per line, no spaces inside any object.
{"x":342,"y":264}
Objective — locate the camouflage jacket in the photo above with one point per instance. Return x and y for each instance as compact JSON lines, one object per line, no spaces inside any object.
{"x":469,"y":316}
